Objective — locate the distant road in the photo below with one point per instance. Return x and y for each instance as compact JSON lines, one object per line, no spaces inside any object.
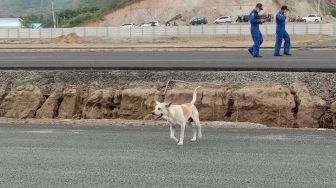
{"x":102,"y":156}
{"x":303,"y":60}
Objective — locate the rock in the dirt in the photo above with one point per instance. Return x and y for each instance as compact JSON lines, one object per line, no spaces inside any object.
{"x":50,"y":108}
{"x":310,"y":108}
{"x":70,"y":107}
{"x":333,"y":107}
{"x":266,"y":104}
{"x":214,"y":104}
{"x":100,"y":105}
{"x":137,"y":103}
{"x":22,"y":102}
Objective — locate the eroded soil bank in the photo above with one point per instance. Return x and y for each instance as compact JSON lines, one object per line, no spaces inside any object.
{"x":293,"y":100}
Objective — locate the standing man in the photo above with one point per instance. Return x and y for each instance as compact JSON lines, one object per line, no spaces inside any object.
{"x":255,"y":30}
{"x":281,"y":33}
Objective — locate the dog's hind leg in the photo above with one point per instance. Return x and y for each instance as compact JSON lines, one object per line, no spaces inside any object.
{"x":172,"y":133}
{"x":194,"y":131}
{"x":199,"y":127}
{"x":194,"y":134}
{"x":180,"y":143}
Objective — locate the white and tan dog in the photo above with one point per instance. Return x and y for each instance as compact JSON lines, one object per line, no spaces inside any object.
{"x":180,"y":115}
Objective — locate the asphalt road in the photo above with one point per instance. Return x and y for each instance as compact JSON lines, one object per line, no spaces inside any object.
{"x":102,"y":156}
{"x":303,"y":60}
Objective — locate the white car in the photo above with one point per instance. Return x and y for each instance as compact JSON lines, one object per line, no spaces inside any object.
{"x":312,"y":18}
{"x":223,"y":19}
{"x":128,"y":25}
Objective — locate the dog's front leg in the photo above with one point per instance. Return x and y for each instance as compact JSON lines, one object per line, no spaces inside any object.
{"x":180,"y":143}
{"x":172,"y":133}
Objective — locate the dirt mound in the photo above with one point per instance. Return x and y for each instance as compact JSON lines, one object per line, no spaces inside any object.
{"x":71,"y":38}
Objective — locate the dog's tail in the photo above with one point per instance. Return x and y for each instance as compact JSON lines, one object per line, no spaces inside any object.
{"x":195,"y":95}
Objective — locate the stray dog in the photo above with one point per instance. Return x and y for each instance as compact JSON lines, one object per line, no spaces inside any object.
{"x":180,"y":115}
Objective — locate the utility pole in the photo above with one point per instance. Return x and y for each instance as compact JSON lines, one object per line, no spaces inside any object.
{"x":53,"y":13}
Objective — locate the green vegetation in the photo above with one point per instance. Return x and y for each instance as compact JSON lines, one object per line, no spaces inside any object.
{"x":333,"y":12}
{"x":71,"y":18}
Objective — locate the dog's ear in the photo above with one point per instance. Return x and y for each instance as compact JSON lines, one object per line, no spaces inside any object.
{"x":169,"y":104}
{"x":157,"y":102}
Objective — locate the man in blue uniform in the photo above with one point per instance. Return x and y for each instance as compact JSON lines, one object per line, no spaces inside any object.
{"x":281,"y":33}
{"x":255,"y":30}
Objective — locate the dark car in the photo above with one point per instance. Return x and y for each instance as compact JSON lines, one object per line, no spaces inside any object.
{"x":199,"y":21}
{"x":243,"y":18}
{"x":267,"y":17}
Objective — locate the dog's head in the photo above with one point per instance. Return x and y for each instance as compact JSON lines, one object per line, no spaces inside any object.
{"x":161,"y":109}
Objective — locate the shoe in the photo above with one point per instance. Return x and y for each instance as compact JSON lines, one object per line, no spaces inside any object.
{"x":288,"y":54}
{"x":250,"y":51}
{"x":277,"y":55}
{"x":258,"y":56}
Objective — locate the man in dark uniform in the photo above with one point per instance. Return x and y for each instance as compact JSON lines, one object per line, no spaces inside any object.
{"x":255,"y":30}
{"x":281,"y":33}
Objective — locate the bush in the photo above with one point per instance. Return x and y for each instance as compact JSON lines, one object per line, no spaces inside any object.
{"x":333,"y":12}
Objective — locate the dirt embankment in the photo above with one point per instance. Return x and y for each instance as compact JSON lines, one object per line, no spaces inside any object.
{"x":287,"y":101}
{"x":139,"y":11}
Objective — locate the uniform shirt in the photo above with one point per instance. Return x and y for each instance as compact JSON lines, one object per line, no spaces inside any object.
{"x":255,"y":19}
{"x":281,"y":20}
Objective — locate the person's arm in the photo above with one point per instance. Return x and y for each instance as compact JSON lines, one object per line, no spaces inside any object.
{"x":281,"y":17}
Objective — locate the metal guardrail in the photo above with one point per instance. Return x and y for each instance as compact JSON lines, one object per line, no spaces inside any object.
{"x":165,"y":31}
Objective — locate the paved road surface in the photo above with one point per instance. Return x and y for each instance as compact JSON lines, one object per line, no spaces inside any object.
{"x":303,"y":60}
{"x":98,"y":156}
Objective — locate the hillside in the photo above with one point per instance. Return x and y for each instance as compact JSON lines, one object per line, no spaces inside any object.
{"x":138,"y":11}
{"x":16,"y":8}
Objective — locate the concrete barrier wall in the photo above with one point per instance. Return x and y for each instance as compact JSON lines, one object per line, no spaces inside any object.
{"x":163,"y":31}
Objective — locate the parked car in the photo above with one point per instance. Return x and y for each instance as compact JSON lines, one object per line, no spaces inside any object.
{"x":223,"y":19}
{"x":128,"y":25}
{"x":150,"y":24}
{"x":199,"y":21}
{"x":267,"y":17}
{"x":312,"y":18}
{"x":243,"y":18}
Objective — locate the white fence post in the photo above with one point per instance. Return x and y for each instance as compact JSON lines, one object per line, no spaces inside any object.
{"x":153,"y":31}
{"x":178,"y":30}
{"x":215,"y":30}
{"x":240,"y":30}
{"x":130,"y":32}
{"x":142,"y":31}
{"x":189,"y":30}
{"x":320,"y":27}
{"x":227,"y":29}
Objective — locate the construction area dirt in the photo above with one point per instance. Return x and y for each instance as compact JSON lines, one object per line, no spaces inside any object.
{"x":182,"y":12}
{"x":289,"y":100}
